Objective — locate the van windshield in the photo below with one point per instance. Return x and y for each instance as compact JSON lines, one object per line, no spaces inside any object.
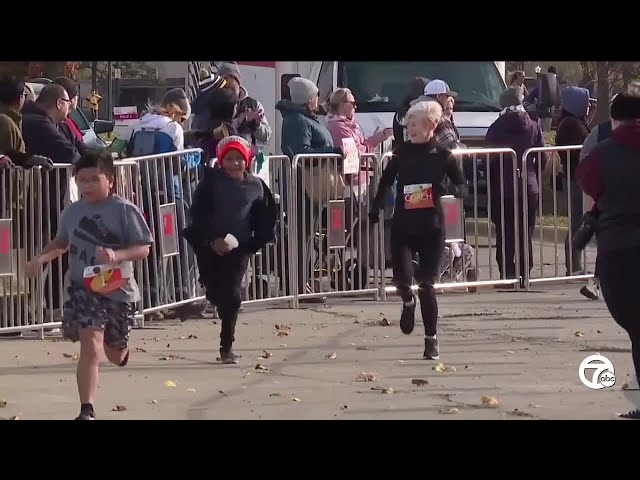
{"x":382,"y":86}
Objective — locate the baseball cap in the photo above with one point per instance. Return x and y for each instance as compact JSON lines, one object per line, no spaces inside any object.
{"x":437,"y":87}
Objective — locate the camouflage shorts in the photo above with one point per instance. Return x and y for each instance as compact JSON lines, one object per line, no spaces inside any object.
{"x":89,"y":310}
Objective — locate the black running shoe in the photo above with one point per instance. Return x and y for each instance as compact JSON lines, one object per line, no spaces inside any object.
{"x":408,"y":317}
{"x":228,"y":357}
{"x":632,"y":415}
{"x":431,"y":349}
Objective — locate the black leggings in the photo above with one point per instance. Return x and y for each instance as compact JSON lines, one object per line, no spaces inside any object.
{"x":619,"y":283}
{"x":429,"y":248}
{"x":222,"y":280}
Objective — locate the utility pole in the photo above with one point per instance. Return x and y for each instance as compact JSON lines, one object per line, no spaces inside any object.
{"x":109,"y":91}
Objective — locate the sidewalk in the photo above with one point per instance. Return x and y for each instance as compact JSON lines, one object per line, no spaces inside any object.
{"x":522,"y":349}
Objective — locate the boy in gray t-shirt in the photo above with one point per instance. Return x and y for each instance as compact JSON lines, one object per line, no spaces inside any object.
{"x":104,"y":235}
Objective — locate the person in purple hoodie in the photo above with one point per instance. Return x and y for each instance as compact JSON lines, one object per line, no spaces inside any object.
{"x":516,"y":130}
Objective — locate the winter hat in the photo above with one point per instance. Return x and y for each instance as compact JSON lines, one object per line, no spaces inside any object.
{"x":575,"y":100}
{"x":237,"y":143}
{"x":626,"y":105}
{"x":176,"y":96}
{"x":510,"y":98}
{"x":209,"y":81}
{"x":69,"y":85}
{"x":230,"y":70}
{"x":302,"y":91}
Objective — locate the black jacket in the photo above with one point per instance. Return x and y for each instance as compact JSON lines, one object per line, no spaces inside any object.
{"x":199,"y":234}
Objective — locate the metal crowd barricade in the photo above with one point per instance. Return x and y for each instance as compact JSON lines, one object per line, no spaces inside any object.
{"x":554,"y":238}
{"x":271,"y":273}
{"x":477,"y":238}
{"x":337,"y":247}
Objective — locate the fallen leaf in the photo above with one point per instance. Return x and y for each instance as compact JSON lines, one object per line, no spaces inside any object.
{"x":400,"y":361}
{"x":192,"y":337}
{"x":388,"y":391}
{"x":282,"y":327}
{"x":73,"y":356}
{"x":332,"y":356}
{"x":283,"y":333}
{"x":579,"y":334}
{"x":191,"y":390}
{"x":598,"y":331}
{"x":441,"y":367}
{"x":356,"y":321}
{"x":511,"y":352}
{"x":283,"y":345}
{"x":141,"y":350}
{"x":155,"y":402}
{"x":449,"y":411}
{"x":266,"y":354}
{"x":275,"y":394}
{"x":296,"y":399}
{"x":168,"y":345}
{"x":156,"y":339}
{"x":172,"y":357}
{"x":419,"y":382}
{"x":261,"y":368}
{"x":366,"y":377}
{"x":344,"y":407}
{"x":183,"y":337}
{"x":363,"y":347}
{"x":222,"y":393}
{"x":170,"y":384}
{"x":119,"y":408}
{"x":490,"y":401}
{"x":384,"y":322}
{"x":624,"y":387}
{"x":386,"y":336}
{"x":520,"y":413}
{"x":3,"y":403}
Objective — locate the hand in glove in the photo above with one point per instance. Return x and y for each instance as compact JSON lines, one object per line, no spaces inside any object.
{"x":40,"y":161}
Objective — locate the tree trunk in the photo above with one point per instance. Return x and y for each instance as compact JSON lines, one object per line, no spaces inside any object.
{"x":627,"y":75}
{"x":94,"y":75}
{"x":602,"y":73}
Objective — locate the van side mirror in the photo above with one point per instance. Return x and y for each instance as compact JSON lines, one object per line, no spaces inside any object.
{"x":102,"y":126}
{"x":285,"y":94}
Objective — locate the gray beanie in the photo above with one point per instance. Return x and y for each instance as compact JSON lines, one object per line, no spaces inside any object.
{"x":510,"y":98}
{"x":177,"y":97}
{"x":230,"y":70}
{"x":302,"y":90}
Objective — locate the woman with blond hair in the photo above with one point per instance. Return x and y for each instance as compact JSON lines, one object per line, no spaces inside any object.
{"x":420,"y":167}
{"x":341,"y":122}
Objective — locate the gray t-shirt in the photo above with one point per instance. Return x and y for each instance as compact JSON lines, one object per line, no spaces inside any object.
{"x":115,"y":223}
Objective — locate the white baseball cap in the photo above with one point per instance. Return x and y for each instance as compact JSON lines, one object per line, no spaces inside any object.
{"x":437,"y":87}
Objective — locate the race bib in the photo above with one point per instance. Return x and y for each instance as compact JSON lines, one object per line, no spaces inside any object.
{"x":418,"y":196}
{"x":104,"y":279}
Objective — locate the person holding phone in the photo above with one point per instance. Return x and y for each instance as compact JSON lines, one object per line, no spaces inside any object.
{"x":342,"y":123}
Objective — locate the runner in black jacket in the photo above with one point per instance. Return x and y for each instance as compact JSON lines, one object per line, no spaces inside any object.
{"x":420,"y":167}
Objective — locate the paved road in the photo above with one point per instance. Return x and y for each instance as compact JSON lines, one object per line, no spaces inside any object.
{"x":520,"y":348}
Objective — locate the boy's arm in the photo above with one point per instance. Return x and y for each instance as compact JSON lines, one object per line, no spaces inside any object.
{"x":138,"y":236}
{"x":58,"y":246}
{"x":264,"y":216}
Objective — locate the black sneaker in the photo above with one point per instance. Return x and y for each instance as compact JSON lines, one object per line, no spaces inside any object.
{"x":86,"y":413}
{"x":228,"y":357}
{"x":431,"y":349}
{"x":632,"y":415}
{"x":408,"y":317}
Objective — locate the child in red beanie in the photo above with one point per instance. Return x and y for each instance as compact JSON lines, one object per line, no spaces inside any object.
{"x":233,"y":215}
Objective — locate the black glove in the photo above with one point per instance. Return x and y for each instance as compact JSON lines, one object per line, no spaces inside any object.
{"x":374,"y":216}
{"x":40,"y":161}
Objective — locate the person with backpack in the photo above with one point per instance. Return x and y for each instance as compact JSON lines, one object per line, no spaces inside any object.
{"x":161,"y":131}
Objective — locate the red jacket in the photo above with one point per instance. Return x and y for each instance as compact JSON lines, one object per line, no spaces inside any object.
{"x":74,"y":128}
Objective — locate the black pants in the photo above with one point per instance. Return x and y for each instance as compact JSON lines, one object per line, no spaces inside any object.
{"x":222,"y":280}
{"x":573,"y":261}
{"x":619,"y":283}
{"x":508,"y":269}
{"x":429,"y":248}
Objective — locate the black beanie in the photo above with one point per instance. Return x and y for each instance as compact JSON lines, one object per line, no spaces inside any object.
{"x":69,"y":85}
{"x":625,"y":107}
